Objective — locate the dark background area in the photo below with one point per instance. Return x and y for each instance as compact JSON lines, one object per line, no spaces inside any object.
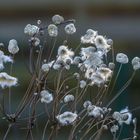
{"x":117,"y":19}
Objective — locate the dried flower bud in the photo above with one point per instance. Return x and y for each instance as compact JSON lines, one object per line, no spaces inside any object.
{"x":110,"y":42}
{"x":38,"y":22}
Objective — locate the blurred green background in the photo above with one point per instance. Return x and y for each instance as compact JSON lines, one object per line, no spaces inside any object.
{"x":117,"y":19}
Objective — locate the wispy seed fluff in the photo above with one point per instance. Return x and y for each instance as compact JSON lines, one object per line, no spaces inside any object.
{"x":31,"y":30}
{"x":67,"y":118}
{"x":4,"y":59}
{"x":101,"y":43}
{"x":64,"y":58}
{"x":46,"y":96}
{"x":13,"y":46}
{"x":106,"y":73}
{"x":89,"y":37}
{"x":7,"y":80}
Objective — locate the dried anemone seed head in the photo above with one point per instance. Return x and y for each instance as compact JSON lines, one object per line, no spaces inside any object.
{"x":89,"y":37}
{"x":101,"y":43}
{"x":46,"y":67}
{"x":70,"y":29}
{"x":124,"y":116}
{"x":83,"y":84}
{"x":7,"y":80}
{"x":57,"y":19}
{"x":136,"y":63}
{"x":122,"y":58}
{"x":52,"y":30}
{"x":67,"y":118}
{"x":4,"y":59}
{"x":86,"y":104}
{"x":46,"y":96}
{"x":114,"y":128}
{"x":31,"y":30}
{"x":68,"y":98}
{"x":106,"y":73}
{"x":13,"y":46}
{"x":95,"y":111}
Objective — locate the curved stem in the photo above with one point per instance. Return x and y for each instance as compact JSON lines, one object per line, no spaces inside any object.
{"x":121,"y":90}
{"x":7,"y":132}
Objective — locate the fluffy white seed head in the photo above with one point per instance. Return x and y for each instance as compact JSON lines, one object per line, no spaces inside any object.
{"x":136,"y":63}
{"x":46,"y":67}
{"x":95,"y":111}
{"x":46,"y":96}
{"x":83,"y":84}
{"x":114,"y":128}
{"x":106,"y":73}
{"x":70,"y":29}
{"x":7,"y":80}
{"x":13,"y":46}
{"x":67,"y":118}
{"x":4,"y":59}
{"x":57,"y":19}
{"x":124,"y":116}
{"x":68,"y":98}
{"x":97,"y":79}
{"x":101,"y":43}
{"x":110,"y":42}
{"x":86,"y":104}
{"x":89,"y":37}
{"x":52,"y":30}
{"x":31,"y":30}
{"x":77,"y":60}
{"x":122,"y":58}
